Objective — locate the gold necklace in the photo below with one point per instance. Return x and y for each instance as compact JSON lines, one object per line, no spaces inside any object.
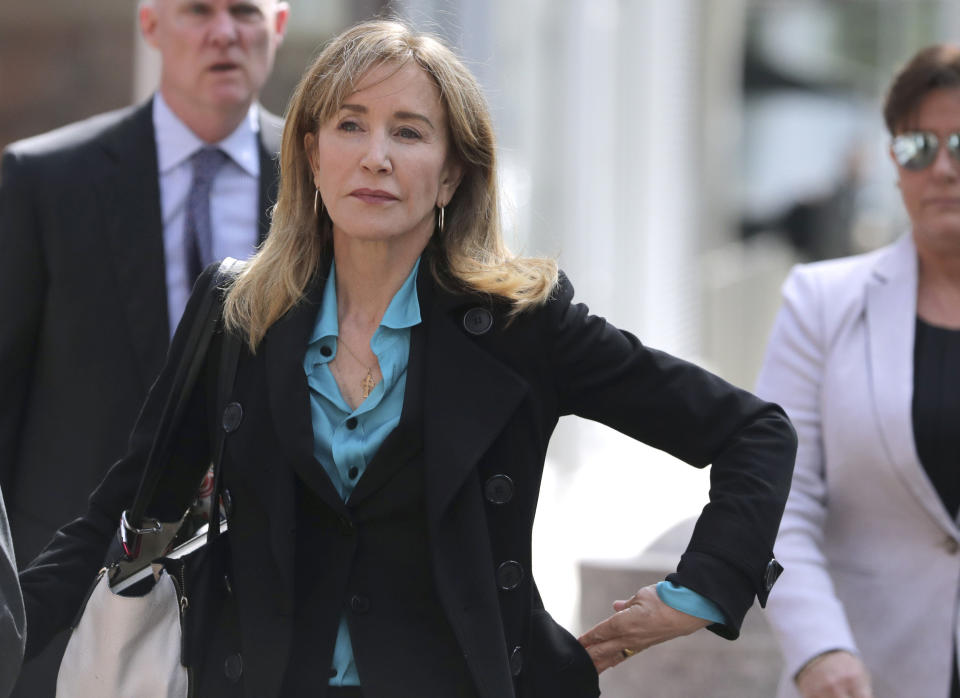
{"x":368,"y":383}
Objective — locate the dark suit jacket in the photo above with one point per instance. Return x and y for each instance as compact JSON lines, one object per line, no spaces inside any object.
{"x":485,"y":397}
{"x":83,"y":307}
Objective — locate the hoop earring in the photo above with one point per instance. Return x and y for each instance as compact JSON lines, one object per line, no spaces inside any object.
{"x":317,"y":203}
{"x":440,"y":220}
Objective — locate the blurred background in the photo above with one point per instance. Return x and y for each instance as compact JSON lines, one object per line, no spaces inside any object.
{"x":677,"y":156}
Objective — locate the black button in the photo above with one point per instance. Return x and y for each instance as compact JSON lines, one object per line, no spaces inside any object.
{"x":498,"y":489}
{"x":516,"y":661}
{"x":772,"y":573}
{"x":325,"y":350}
{"x":352,"y":423}
{"x":359,"y":604}
{"x":226,"y":501}
{"x":509,"y":575}
{"x":227,"y":585}
{"x":233,"y":667}
{"x":478,"y":321}
{"x":353,"y":472}
{"x":333,"y":672}
{"x":346,"y":526}
{"x":232,"y":414}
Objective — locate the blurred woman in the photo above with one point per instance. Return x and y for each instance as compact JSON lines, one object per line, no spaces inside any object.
{"x":401,"y":375}
{"x":865,"y":357}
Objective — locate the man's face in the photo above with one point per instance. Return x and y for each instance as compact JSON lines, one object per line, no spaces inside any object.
{"x":215,"y":54}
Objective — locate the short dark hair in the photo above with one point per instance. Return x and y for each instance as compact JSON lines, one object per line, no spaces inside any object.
{"x":930,"y":69}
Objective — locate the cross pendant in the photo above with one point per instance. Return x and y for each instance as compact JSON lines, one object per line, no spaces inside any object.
{"x":367,"y":385}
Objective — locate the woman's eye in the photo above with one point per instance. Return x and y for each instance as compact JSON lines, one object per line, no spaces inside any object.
{"x":408,"y":133}
{"x":349,"y":126}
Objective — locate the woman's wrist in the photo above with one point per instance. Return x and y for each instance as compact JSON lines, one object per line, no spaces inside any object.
{"x":816,"y":659}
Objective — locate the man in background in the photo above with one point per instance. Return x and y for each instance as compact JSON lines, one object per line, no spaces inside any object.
{"x":104,"y":226}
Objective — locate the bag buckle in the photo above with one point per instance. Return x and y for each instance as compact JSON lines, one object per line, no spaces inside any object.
{"x":130,"y":535}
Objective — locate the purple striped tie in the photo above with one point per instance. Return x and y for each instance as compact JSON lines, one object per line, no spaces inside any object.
{"x":197,"y":233}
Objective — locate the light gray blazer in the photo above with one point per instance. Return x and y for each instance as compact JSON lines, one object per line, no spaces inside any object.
{"x":870,"y":552}
{"x":12,"y":620}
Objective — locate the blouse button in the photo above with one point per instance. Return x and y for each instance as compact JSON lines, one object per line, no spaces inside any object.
{"x":325,"y":350}
{"x":353,"y":472}
{"x":352,"y":423}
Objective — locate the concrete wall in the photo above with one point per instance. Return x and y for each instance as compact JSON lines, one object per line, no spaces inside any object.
{"x":701,"y":664}
{"x":60,"y":64}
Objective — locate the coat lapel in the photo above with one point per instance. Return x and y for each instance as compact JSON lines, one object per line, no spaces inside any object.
{"x":288,"y":398}
{"x":289,"y":395}
{"x":469,"y":397}
{"x":891,"y":299}
{"x":128,"y":193}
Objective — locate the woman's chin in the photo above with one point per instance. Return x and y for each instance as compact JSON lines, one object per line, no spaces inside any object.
{"x":371,"y":234}
{"x":941,"y":234}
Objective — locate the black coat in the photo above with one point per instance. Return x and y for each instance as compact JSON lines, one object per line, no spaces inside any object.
{"x":483,"y":396}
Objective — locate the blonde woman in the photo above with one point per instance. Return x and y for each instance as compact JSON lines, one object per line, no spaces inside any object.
{"x":400,"y":378}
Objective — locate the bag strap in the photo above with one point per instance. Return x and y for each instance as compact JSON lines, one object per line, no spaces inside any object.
{"x":229,"y":358}
{"x":132,"y":523}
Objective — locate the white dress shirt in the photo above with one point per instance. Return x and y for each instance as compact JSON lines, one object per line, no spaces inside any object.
{"x":234,"y":197}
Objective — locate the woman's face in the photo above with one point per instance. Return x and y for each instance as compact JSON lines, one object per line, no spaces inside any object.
{"x":382,"y":163}
{"x":932,"y":195}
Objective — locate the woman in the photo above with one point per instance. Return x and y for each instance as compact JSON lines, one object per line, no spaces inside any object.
{"x":864,"y":357}
{"x":400,"y":379}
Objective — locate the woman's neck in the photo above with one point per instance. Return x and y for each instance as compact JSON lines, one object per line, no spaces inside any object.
{"x":938,"y":289}
{"x":369,"y":274}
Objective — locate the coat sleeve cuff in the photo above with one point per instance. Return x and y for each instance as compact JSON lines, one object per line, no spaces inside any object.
{"x":729,"y":587}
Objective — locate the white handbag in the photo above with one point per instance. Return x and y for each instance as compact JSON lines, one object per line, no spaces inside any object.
{"x":142,"y":640}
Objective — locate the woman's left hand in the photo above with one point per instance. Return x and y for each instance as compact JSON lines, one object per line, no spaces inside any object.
{"x":638,"y":623}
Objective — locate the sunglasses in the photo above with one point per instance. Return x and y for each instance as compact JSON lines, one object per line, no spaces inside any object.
{"x":916,"y":150}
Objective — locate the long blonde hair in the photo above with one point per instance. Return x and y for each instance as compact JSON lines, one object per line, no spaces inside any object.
{"x":469,"y":253}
